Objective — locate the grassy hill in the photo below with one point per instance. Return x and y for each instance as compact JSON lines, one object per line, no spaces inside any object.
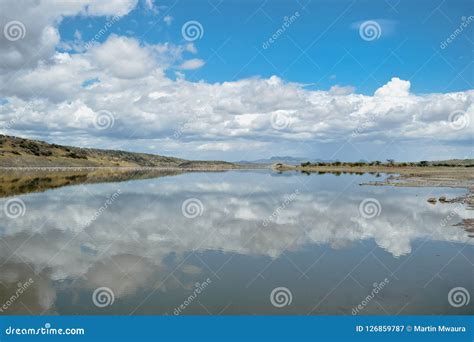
{"x":20,"y":152}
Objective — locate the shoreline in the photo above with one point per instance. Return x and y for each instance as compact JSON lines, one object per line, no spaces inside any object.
{"x":21,"y":180}
{"x":415,"y":176}
{"x":401,"y":176}
{"x":130,"y":168}
{"x":431,"y":176}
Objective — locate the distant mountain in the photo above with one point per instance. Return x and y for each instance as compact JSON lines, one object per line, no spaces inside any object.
{"x":20,"y":152}
{"x":284,"y":160}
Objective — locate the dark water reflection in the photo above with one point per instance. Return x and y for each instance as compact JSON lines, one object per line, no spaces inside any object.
{"x":256,"y":231}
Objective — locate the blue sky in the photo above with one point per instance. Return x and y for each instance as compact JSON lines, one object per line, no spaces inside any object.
{"x":321,"y":48}
{"x":344,"y":80}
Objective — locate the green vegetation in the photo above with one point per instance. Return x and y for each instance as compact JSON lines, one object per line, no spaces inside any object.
{"x":392,"y":163}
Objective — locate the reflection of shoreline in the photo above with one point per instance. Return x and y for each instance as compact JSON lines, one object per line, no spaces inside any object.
{"x":22,"y":180}
{"x":401,"y":176}
{"x":19,"y":181}
{"x":443,"y":179}
{"x":145,"y":235}
{"x":153,"y":207}
{"x":432,"y":176}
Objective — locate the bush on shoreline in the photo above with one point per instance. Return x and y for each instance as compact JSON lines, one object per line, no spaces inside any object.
{"x":389,"y":163}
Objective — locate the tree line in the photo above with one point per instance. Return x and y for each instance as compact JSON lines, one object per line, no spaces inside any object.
{"x":389,"y":162}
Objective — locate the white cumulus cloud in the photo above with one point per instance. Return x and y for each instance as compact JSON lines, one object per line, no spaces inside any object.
{"x":49,"y":97}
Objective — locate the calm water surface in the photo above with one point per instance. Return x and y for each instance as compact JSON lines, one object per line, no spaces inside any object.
{"x":220,"y":243}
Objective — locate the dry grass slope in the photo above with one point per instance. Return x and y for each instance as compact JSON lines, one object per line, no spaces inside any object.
{"x":20,"y":152}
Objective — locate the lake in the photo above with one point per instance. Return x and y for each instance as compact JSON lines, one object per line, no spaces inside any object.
{"x":238,"y":242}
